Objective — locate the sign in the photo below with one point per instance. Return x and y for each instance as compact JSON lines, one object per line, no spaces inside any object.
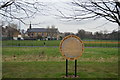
{"x":71,"y":47}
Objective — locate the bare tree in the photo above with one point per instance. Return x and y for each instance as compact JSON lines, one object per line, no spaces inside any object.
{"x":2,"y":23}
{"x":20,"y":9}
{"x":15,"y":26}
{"x":1,"y":26}
{"x":95,"y":9}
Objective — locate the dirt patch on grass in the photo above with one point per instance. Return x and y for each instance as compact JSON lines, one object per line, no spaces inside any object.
{"x":27,"y":58}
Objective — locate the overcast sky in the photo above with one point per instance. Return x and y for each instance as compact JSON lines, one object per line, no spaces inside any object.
{"x":64,"y":25}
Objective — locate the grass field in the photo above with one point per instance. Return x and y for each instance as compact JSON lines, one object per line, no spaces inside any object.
{"x":44,"y":62}
{"x":53,"y":54}
{"x":96,"y":43}
{"x":51,"y":69}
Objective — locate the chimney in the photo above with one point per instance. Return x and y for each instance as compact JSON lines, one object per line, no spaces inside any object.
{"x":30,"y":26}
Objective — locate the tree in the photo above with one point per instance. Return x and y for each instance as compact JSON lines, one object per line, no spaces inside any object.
{"x":1,"y":28}
{"x":94,"y":9}
{"x":11,"y":29}
{"x":115,"y":35}
{"x":2,"y":24}
{"x":81,"y":34}
{"x":20,"y":9}
{"x":98,"y":35}
{"x":15,"y":26}
{"x":52,"y":32}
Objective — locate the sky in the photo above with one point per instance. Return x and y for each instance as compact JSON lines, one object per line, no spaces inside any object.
{"x":48,"y":17}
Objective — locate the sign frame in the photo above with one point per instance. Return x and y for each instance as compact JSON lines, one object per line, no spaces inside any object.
{"x":69,"y":36}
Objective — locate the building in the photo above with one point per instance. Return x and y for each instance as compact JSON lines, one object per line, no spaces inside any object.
{"x":43,"y":33}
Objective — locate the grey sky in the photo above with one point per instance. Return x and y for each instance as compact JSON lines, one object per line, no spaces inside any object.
{"x":63,"y":25}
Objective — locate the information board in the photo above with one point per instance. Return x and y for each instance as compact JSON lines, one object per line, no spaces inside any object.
{"x":71,"y":47}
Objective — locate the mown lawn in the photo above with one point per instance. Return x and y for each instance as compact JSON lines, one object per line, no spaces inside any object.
{"x":96,"y":43}
{"x":54,"y":69}
{"x":47,"y":62}
{"x":53,"y":54}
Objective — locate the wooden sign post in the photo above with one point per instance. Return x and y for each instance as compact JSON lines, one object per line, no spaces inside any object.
{"x":71,"y":48}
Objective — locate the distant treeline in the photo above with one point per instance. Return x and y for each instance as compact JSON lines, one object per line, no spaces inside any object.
{"x":102,"y":35}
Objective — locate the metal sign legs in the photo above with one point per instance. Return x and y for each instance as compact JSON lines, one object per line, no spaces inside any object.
{"x":67,"y":68}
{"x":75,"y":68}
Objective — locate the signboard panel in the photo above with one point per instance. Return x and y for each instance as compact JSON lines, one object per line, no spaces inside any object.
{"x":71,"y":47}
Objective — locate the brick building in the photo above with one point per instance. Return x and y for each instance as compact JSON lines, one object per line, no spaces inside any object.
{"x":43,"y":33}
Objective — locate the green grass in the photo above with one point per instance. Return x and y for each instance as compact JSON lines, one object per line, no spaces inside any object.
{"x":57,"y":69}
{"x":56,"y":43}
{"x":47,"y":62}
{"x":101,"y":45}
{"x":31,"y":43}
{"x":53,"y":54}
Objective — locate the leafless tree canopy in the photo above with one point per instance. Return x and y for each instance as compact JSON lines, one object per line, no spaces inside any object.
{"x":94,"y":9}
{"x":20,"y":9}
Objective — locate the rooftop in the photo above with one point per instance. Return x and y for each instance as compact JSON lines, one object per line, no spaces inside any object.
{"x":37,"y":30}
{"x":41,"y":30}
